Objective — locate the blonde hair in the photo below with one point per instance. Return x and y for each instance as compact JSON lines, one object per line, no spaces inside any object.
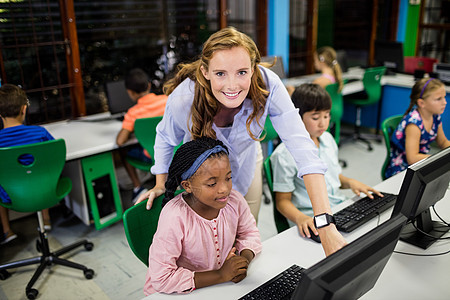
{"x":422,"y":89}
{"x":328,"y":56}
{"x":205,"y":106}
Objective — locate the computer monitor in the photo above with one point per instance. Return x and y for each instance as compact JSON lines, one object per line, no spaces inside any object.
{"x":390,"y":55}
{"x":425,"y":183}
{"x":117,"y":97}
{"x":352,"y":271}
{"x":278,"y":67}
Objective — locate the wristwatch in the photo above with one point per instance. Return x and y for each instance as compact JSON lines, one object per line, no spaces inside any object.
{"x":323,"y":220}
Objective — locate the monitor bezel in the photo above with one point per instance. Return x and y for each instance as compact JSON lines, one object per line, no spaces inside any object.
{"x":353,"y":270}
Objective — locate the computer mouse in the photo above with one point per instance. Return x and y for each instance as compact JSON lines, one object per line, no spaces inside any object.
{"x":314,"y":237}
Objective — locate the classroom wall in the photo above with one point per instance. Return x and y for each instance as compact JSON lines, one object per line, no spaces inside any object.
{"x":278,"y":30}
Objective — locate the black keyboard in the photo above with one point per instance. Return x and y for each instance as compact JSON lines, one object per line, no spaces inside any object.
{"x":279,"y":287}
{"x":358,"y":213}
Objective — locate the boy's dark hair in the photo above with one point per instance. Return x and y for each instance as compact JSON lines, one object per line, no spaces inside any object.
{"x":311,"y":97}
{"x":137,"y":81}
{"x":184,"y":158}
{"x":12,"y":98}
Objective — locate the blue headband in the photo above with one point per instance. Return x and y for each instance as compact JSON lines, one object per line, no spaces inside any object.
{"x":200,"y":160}
{"x":424,"y":86}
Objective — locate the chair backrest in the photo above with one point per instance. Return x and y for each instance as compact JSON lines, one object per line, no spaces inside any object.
{"x":372,"y":83}
{"x":337,"y":108}
{"x":269,"y":131}
{"x":388,"y":127}
{"x":140,"y":226}
{"x":37,"y":185}
{"x":145,"y":131}
{"x":280,"y":221}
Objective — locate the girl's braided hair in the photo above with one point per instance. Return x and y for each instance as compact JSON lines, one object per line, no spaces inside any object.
{"x":184,"y":158}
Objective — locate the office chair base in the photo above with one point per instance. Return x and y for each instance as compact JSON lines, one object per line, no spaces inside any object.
{"x":46,"y":260}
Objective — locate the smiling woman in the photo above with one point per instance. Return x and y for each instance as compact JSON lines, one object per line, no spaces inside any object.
{"x":227,"y":94}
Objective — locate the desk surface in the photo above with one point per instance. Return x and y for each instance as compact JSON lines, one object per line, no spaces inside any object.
{"x":85,"y":138}
{"x":406,"y":277}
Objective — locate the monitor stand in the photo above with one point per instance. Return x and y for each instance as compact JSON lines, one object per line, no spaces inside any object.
{"x":434,"y":231}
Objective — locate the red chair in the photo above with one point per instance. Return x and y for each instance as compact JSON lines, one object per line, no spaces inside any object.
{"x":413,"y":63}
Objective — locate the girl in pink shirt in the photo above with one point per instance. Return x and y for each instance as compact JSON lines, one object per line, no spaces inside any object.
{"x":325,"y":61}
{"x":206,"y":235}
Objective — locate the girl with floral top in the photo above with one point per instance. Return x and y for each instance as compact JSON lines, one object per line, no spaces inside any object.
{"x":420,"y":126}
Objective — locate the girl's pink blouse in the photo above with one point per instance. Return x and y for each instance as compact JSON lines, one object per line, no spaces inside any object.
{"x":185,"y":243}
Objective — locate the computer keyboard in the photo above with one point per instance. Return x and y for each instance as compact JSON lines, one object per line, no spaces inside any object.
{"x":358,"y":213}
{"x":279,"y":287}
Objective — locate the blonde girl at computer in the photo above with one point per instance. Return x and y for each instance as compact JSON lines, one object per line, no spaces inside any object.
{"x":207,"y":234}
{"x":420,"y":126}
{"x":227,"y":94}
{"x":325,"y":61}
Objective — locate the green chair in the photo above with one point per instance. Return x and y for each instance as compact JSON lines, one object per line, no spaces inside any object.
{"x":371,"y":95}
{"x":32,"y":187}
{"x":388,"y":127}
{"x":145,"y":132}
{"x":269,"y":134}
{"x":140,"y":226}
{"x":280,"y":221}
{"x":337,"y":109}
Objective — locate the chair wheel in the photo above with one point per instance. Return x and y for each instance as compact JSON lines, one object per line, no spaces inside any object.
{"x":32,"y":293}
{"x":4,"y":274}
{"x":89,"y":273}
{"x":89,"y":246}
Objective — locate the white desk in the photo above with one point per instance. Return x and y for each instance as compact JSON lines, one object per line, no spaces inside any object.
{"x":404,"y":277}
{"x":89,"y":146}
{"x":86,"y":138}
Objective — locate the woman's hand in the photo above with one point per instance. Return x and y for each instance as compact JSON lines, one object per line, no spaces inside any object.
{"x":331,"y":239}
{"x":155,"y":192}
{"x":150,"y":196}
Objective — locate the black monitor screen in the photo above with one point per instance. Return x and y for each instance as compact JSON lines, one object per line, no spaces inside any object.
{"x":352,"y":271}
{"x":118,"y":99}
{"x":425,"y":183}
{"x":390,"y":55}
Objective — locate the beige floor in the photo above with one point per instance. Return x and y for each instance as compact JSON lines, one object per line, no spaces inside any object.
{"x":118,"y":273}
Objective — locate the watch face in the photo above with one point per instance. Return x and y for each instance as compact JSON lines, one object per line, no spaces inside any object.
{"x":321,"y":220}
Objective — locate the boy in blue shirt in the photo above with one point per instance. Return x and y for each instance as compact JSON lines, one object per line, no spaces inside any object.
{"x":13,"y":108}
{"x":292,"y":201}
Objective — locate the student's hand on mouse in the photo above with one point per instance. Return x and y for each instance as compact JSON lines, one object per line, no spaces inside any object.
{"x":359,"y":187}
{"x":234,"y":268}
{"x":303,"y":223}
{"x":150,"y":196}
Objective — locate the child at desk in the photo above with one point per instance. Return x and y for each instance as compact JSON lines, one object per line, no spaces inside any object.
{"x":147,"y":105}
{"x":292,"y":200}
{"x":13,"y":108}
{"x":325,"y":61}
{"x":420,"y":126}
{"x":206,"y":235}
